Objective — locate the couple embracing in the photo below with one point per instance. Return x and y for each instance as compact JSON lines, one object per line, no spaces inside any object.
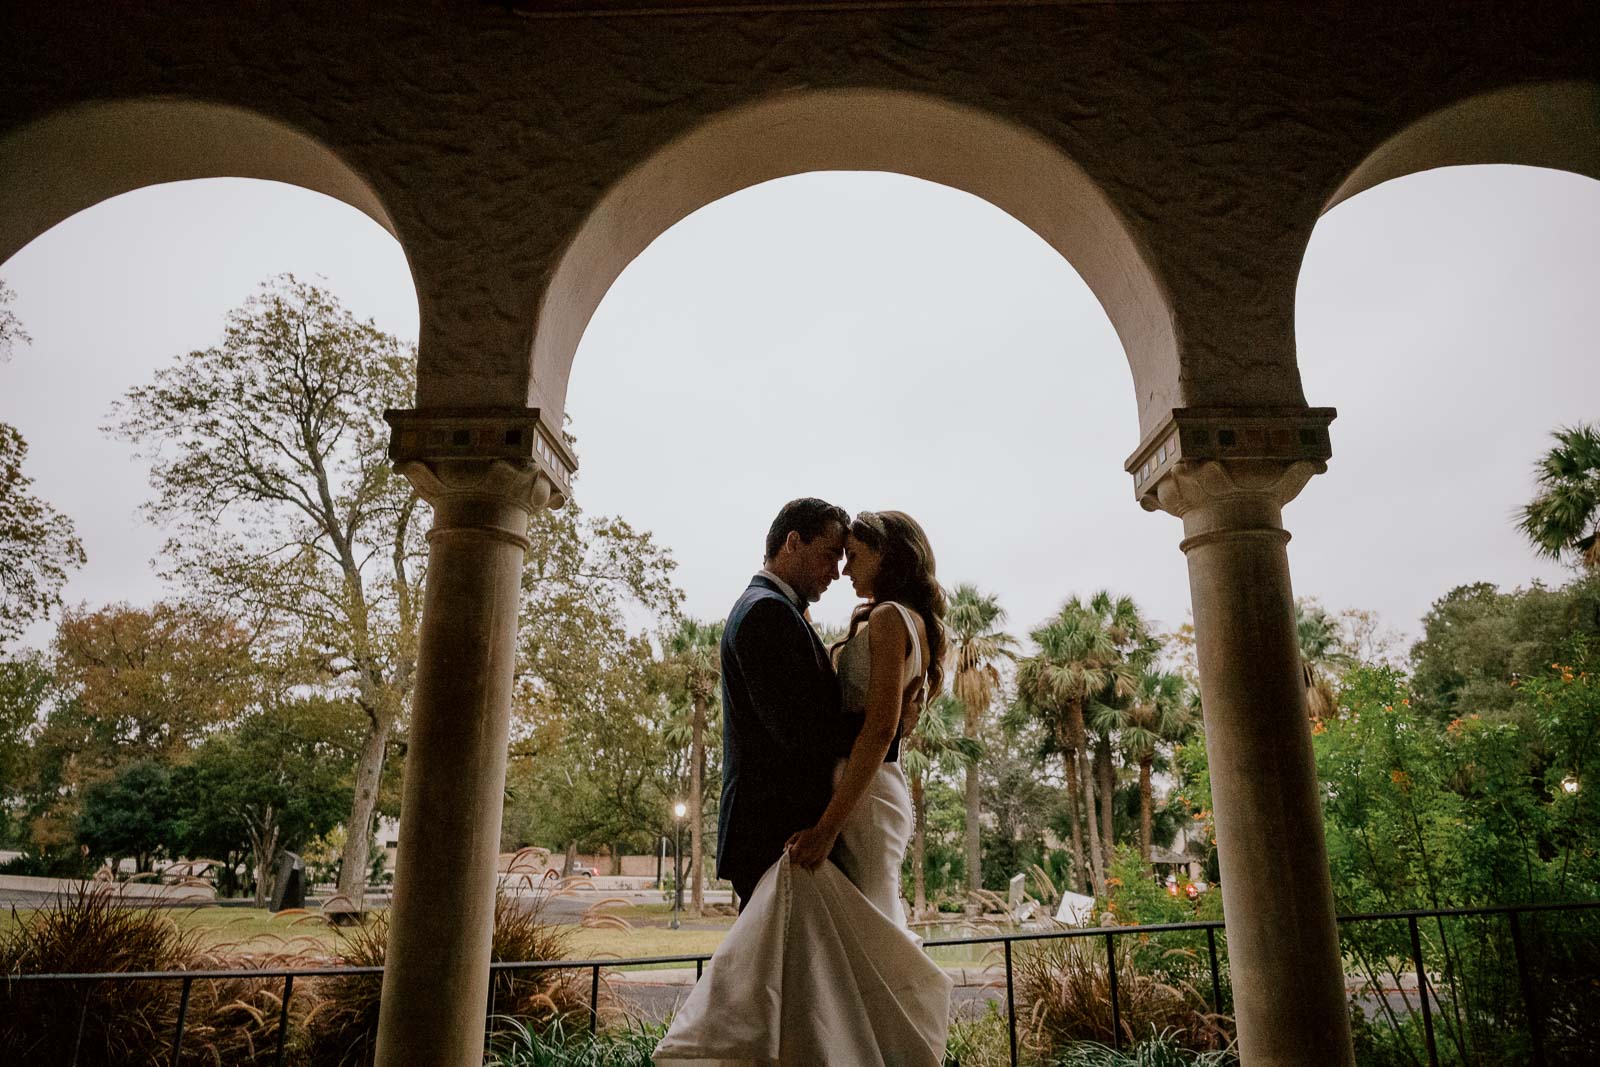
{"x":820,"y":968}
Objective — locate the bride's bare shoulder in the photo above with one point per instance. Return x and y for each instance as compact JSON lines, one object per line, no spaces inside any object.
{"x":886,"y":618}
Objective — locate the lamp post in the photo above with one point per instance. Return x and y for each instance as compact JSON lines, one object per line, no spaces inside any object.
{"x":679,"y":810}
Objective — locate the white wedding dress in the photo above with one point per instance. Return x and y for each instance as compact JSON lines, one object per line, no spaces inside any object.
{"x":820,"y":969}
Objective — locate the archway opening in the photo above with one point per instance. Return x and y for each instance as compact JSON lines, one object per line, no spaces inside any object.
{"x":1453,"y":266}
{"x":886,"y":342}
{"x":1013,"y":168}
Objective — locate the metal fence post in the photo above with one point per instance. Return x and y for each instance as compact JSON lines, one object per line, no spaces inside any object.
{"x":283,"y":1016}
{"x":488,"y":1019}
{"x":1116,"y":1006}
{"x":1011,"y":1005}
{"x":1422,"y":993}
{"x":594,"y":999}
{"x":1529,"y":1004}
{"x":83,"y":1014}
{"x":183,"y":1011}
{"x":1216,"y":980}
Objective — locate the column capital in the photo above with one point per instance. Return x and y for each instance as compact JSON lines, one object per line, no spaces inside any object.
{"x":1200,"y":456}
{"x":460,"y":445}
{"x":484,"y":470}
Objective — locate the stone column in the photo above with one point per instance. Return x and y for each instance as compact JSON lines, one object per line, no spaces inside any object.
{"x":484,"y":472}
{"x":1227,"y":474}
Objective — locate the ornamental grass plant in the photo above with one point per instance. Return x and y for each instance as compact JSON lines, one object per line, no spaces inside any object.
{"x":343,"y":1027}
{"x":1064,"y":996}
{"x":90,"y":932}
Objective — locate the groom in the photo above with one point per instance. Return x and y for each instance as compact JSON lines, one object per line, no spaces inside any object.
{"x":782,"y":729}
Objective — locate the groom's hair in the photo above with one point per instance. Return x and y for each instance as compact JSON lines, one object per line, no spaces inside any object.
{"x":808,"y":517}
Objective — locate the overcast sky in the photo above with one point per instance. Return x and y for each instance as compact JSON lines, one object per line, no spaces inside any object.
{"x":888,"y":343}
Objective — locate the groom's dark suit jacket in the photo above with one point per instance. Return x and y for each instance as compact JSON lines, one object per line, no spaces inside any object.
{"x":782,"y":731}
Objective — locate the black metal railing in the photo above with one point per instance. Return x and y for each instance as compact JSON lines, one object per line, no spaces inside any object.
{"x":1006,"y":941}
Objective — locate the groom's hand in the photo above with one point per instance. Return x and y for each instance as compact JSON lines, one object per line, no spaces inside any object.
{"x":809,"y":848}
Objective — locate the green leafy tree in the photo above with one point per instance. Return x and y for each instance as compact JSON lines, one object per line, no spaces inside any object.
{"x":977,"y":648}
{"x":590,"y":763}
{"x":269,"y":459}
{"x":1478,"y":642}
{"x":129,"y":814}
{"x":38,"y":546}
{"x":27,"y":689}
{"x":1019,"y":796}
{"x":273,"y":782}
{"x":1563,"y":518}
{"x":936,"y":739}
{"x":692,"y":663}
{"x":1479,"y":810}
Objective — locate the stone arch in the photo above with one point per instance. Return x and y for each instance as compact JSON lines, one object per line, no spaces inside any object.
{"x":1013,"y":168}
{"x":1542,"y":124}
{"x":61,"y":164}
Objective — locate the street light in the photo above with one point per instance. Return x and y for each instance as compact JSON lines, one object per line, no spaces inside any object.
{"x":1569,"y":785}
{"x":679,"y":810}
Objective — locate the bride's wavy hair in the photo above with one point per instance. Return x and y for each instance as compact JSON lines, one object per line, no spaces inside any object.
{"x":906,"y":574}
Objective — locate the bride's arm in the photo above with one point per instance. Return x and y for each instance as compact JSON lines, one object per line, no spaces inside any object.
{"x":888,"y":644}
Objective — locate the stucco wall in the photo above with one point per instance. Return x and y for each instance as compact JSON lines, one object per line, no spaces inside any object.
{"x":1217,"y":131}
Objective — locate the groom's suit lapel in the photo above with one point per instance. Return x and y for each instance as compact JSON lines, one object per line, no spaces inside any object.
{"x":817,"y":649}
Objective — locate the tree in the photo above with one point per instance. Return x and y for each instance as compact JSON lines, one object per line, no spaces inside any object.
{"x":269,"y":455}
{"x":1157,"y":714}
{"x":936,"y":738}
{"x":1019,"y":796}
{"x":1563,"y":518}
{"x":692,"y":661}
{"x":129,"y":814}
{"x":27,"y":691}
{"x":11,"y":331}
{"x":148,"y":683}
{"x":38,"y":545}
{"x":1322,"y":654}
{"x":589,"y":758}
{"x":275,"y":781}
{"x":977,"y":647}
{"x":1080,"y":658}
{"x":1477,"y":642}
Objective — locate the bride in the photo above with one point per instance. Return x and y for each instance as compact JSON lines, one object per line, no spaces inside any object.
{"x":820,"y":968}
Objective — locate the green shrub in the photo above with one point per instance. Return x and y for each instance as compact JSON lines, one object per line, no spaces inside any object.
{"x":1162,"y":1050}
{"x":565,"y":1042}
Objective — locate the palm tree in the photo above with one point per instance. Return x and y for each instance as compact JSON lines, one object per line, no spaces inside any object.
{"x":1322,"y":654}
{"x":1158,"y":714}
{"x":1130,"y":633}
{"x":1081,"y":658}
{"x":1564,"y":516}
{"x":936,"y":737}
{"x":977,"y":645}
{"x":692,"y":660}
